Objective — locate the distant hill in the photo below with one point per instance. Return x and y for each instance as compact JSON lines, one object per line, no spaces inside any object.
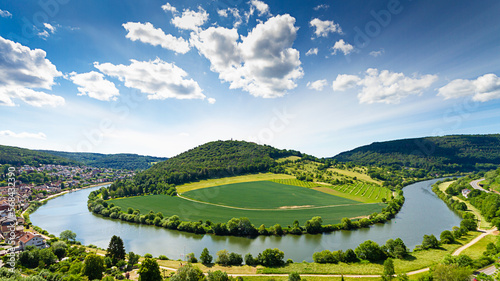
{"x":211,"y":160}
{"x":455,"y":153}
{"x":113,"y":161}
{"x":17,"y":156}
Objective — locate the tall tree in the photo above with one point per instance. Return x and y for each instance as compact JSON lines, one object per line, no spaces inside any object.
{"x":68,"y":235}
{"x":93,"y":266}
{"x":116,"y":250}
{"x":205,"y":257}
{"x":149,"y":270}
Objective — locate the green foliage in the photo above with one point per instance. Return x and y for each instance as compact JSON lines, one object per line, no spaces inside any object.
{"x":150,"y":271}
{"x":448,"y":154}
{"x":93,"y":266}
{"x":447,"y":237}
{"x":388,"y":269}
{"x":59,"y":249}
{"x":20,"y":156}
{"x":205,"y":257}
{"x":218,"y":276}
{"x":68,"y":235}
{"x":185,"y":273}
{"x":271,"y":257}
{"x":430,"y":242}
{"x":294,"y":276}
{"x":395,"y":248}
{"x":133,"y":258}
{"x":116,"y":250}
{"x":370,"y":251}
{"x":451,"y":272}
{"x":111,"y":161}
{"x":191,"y":258}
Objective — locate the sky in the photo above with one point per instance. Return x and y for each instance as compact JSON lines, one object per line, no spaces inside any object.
{"x":322,"y":77}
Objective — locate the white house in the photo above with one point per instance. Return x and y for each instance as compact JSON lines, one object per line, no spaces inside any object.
{"x":30,"y":239}
{"x":465,"y":192}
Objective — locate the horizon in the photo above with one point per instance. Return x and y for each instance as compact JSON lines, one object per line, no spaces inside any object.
{"x":322,"y":78}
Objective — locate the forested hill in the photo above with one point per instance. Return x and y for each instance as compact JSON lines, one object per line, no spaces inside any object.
{"x":17,"y":156}
{"x":455,"y":153}
{"x":113,"y":161}
{"x":215,"y":159}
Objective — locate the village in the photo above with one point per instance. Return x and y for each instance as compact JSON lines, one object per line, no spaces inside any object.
{"x":36,"y":184}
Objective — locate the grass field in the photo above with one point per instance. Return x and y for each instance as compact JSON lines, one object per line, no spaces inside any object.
{"x":361,"y":192}
{"x":297,"y":182}
{"x":265,"y":195}
{"x":194,"y":211}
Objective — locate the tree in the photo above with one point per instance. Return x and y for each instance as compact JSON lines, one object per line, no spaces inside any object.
{"x":249,"y":260}
{"x":93,"y":266}
{"x":430,"y":242}
{"x":68,"y":235}
{"x":217,"y":276}
{"x":59,"y":249}
{"x":191,"y":258}
{"x":150,"y":270}
{"x":205,"y":257}
{"x":469,"y":224}
{"x":388,"y":269}
{"x":314,"y":225}
{"x":294,"y":276}
{"x":272,"y":257}
{"x":369,"y":250}
{"x":133,"y":258}
{"x":446,"y":237}
{"x":349,"y":256}
{"x":187,"y":273}
{"x":346,"y":223}
{"x":222,"y":257}
{"x":116,"y":250}
{"x":395,"y":248}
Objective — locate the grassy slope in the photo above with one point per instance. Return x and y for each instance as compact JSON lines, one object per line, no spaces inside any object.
{"x":194,"y":211}
{"x":264,"y":195}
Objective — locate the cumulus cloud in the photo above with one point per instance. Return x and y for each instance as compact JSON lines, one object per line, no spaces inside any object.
{"x":158,"y":79}
{"x":50,"y":27}
{"x":23,"y":135}
{"x":191,"y":20}
{"x":22,"y":71}
{"x":384,"y":86}
{"x":263,"y":63}
{"x":94,"y":85}
{"x":312,"y":51}
{"x":322,"y":28}
{"x":483,"y":89}
{"x":262,"y":7}
{"x":342,"y":46}
{"x":233,"y":11}
{"x":211,"y":100}
{"x":344,"y":82}
{"x":5,"y":14}
{"x":147,"y":33}
{"x":317,"y":85}
{"x":169,"y":8}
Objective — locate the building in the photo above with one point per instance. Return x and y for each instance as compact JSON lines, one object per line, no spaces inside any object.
{"x":30,"y":239}
{"x":465,"y":192}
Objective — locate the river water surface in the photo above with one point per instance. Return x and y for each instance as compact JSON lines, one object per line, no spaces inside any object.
{"x":422,"y":213}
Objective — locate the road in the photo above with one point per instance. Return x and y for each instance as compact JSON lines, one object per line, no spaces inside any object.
{"x":490,"y":270}
{"x":475,"y":185}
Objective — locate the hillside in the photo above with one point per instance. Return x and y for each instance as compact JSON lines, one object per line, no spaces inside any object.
{"x":448,"y":154}
{"x":113,"y":161}
{"x":492,"y":180}
{"x":211,"y":160}
{"x":21,"y":156}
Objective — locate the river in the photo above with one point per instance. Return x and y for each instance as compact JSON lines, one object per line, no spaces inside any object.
{"x":422,"y":213}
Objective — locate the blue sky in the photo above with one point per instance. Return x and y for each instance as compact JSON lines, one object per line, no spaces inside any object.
{"x":322,"y":77}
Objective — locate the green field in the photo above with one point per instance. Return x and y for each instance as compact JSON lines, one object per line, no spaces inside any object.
{"x":265,"y":195}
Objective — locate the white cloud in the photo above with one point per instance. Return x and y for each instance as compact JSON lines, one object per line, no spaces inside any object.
{"x":211,"y":100}
{"x":262,"y":7}
{"x":50,"y":27}
{"x":158,"y":79}
{"x":233,"y":11}
{"x":43,"y":34}
{"x":263,"y":63}
{"x":341,"y":45}
{"x":23,"y":135}
{"x":22,"y":71}
{"x":191,"y":20}
{"x":344,"y":82}
{"x":95,"y":86}
{"x":384,"y":86}
{"x":317,"y":85}
{"x":312,"y":51}
{"x":484,"y":88}
{"x":324,"y":27}
{"x":377,"y":53}
{"x":5,"y":14}
{"x":322,"y":6}
{"x":146,"y":33}
{"x":169,"y":8}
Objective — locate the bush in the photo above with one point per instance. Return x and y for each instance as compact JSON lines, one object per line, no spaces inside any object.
{"x":163,"y":257}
